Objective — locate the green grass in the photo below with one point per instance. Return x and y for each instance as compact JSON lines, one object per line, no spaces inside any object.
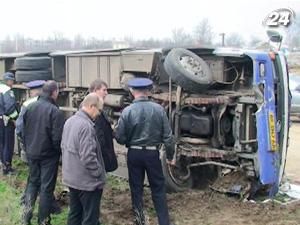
{"x":117,"y":183}
{"x":22,"y":170}
{"x":60,"y":219}
{"x":10,"y":209}
{"x":12,"y":187}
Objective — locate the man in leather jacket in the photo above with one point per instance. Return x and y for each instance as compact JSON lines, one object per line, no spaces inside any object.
{"x":43,"y":125}
{"x":142,"y":127}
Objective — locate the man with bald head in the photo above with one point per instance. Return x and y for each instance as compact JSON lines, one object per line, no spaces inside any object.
{"x":83,"y":169}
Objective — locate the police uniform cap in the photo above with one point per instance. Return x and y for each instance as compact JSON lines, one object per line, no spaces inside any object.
{"x":35,"y":84}
{"x":140,"y":83}
{"x":8,"y":76}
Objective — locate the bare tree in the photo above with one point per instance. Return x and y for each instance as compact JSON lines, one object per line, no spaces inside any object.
{"x":234,"y":40}
{"x":8,"y":45}
{"x":203,"y":33}
{"x":181,"y":38}
{"x":293,"y":34}
{"x":254,"y":41}
{"x":79,"y":42}
{"x":19,"y":41}
{"x":94,"y":43}
{"x":149,"y":43}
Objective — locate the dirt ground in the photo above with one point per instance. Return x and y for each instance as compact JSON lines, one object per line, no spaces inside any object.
{"x":202,"y":207}
{"x":207,"y":207}
{"x":293,"y":157}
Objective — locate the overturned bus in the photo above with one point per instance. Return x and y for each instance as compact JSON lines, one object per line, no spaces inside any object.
{"x":228,"y":109}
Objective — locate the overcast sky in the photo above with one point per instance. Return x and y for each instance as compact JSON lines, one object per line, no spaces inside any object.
{"x":134,"y":18}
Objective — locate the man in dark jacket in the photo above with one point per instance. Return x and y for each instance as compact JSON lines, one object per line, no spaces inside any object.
{"x":103,"y":128}
{"x":8,"y":115}
{"x":35,"y":87}
{"x":142,"y":127}
{"x":43,"y":125}
{"x":82,"y":163}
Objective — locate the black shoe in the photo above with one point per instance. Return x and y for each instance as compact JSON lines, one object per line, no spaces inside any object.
{"x":8,"y":170}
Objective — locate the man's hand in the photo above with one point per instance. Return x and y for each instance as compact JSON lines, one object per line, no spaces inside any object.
{"x":171,"y":162}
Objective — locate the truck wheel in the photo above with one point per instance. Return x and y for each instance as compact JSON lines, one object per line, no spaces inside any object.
{"x":25,"y":76}
{"x":33,"y":63}
{"x":173,"y":180}
{"x":188,"y":70}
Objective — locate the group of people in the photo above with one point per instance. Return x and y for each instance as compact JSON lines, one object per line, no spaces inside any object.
{"x":85,"y":144}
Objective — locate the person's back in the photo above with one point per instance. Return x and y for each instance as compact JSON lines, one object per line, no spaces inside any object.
{"x":20,"y":119}
{"x":43,"y":121}
{"x":146,"y":125}
{"x":43,"y":124}
{"x":35,"y":87}
{"x":149,"y":117}
{"x":142,"y":127}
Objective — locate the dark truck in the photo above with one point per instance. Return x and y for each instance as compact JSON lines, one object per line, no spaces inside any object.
{"x":229,"y":109}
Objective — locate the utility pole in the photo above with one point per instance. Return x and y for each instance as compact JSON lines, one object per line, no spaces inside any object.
{"x":223,"y":39}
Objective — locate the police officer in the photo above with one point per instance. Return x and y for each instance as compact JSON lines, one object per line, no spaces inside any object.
{"x":8,"y":114}
{"x":142,"y":127}
{"x":35,"y":89}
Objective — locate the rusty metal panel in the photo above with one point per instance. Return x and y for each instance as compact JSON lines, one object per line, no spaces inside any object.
{"x":138,"y":62}
{"x":74,"y":71}
{"x":199,"y":100}
{"x":115,"y":70}
{"x":104,"y":69}
{"x":89,"y":70}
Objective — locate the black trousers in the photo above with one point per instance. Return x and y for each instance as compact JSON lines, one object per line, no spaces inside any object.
{"x":42,"y":181}
{"x":84,"y":207}
{"x":7,"y":142}
{"x":139,"y":162}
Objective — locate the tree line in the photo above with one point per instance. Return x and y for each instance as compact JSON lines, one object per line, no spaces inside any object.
{"x":203,"y":35}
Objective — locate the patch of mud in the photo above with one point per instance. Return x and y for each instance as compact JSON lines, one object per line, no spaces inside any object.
{"x":199,"y":207}
{"x":233,"y":183}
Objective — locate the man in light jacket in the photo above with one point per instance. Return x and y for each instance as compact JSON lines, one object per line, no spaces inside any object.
{"x":83,"y":169}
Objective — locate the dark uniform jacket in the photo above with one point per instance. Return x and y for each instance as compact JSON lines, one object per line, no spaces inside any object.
{"x":43,"y":125}
{"x":145,"y":123}
{"x":20,"y":120}
{"x":7,"y":102}
{"x":105,"y":137}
